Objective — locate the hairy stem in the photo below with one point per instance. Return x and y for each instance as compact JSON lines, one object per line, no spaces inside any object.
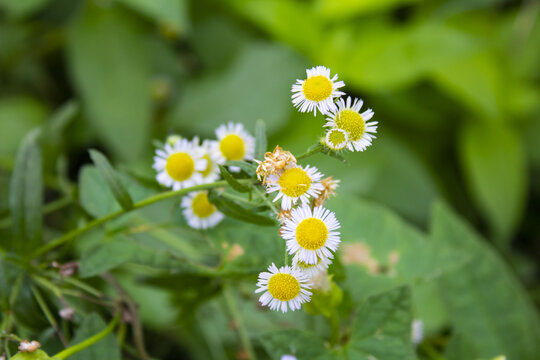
{"x":151,"y":200}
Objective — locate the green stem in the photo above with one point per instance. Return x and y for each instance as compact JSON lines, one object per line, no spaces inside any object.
{"x":47,"y":312}
{"x":266,"y":200}
{"x":235,"y":314}
{"x":88,"y":342}
{"x":312,"y":151}
{"x":151,"y":200}
{"x":334,"y":327}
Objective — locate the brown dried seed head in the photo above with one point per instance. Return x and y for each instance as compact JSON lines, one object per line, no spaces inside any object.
{"x":274,"y":163}
{"x":29,"y":346}
{"x":329,"y":189}
{"x":284,"y":215}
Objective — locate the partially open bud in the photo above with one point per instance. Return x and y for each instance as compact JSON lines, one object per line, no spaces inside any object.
{"x":274,"y":163}
{"x":29,"y":346}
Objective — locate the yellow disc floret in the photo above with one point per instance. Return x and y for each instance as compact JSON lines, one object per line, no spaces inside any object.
{"x":294,"y":182}
{"x":352,"y":122}
{"x":311,"y":234}
{"x":283,"y":287}
{"x":232,"y":147}
{"x":336,"y":137}
{"x":317,"y":88}
{"x":201,"y":206}
{"x":180,"y":166}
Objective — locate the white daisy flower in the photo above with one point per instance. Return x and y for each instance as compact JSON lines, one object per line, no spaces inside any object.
{"x":283,"y":288}
{"x":311,"y":234}
{"x":317,"y":91}
{"x":311,"y":269}
{"x":200,"y":213}
{"x":347,"y":117}
{"x":178,"y":164}
{"x":211,"y":172}
{"x":336,"y":139}
{"x":234,"y":143}
{"x":295,"y":183}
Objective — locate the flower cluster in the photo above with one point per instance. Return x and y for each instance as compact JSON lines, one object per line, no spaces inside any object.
{"x":347,"y":126}
{"x":183,"y":163}
{"x":309,"y":229}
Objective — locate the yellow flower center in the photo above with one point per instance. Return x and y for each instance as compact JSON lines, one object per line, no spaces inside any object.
{"x":201,"y":206}
{"x":209,"y":164}
{"x":232,"y":147}
{"x":336,"y":137}
{"x":317,"y":88}
{"x":180,"y":166}
{"x":352,"y":122}
{"x":283,"y":287}
{"x":294,"y":182}
{"x":311,"y":234}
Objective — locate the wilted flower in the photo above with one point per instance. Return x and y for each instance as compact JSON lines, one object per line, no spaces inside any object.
{"x":29,"y":346}
{"x":274,"y":163}
{"x":329,"y":189}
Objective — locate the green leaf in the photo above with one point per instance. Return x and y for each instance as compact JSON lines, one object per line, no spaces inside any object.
{"x":234,"y":210}
{"x":302,"y":344}
{"x":110,"y":67}
{"x":97,"y":198}
{"x":118,"y":190}
{"x":494,"y":162}
{"x":256,"y":63}
{"x":232,"y":181}
{"x":26,"y":194}
{"x":172,"y":14}
{"x":110,"y":254}
{"x":36,"y":355}
{"x":382,"y":328}
{"x":337,"y":9}
{"x":106,"y":348}
{"x":260,"y":139}
{"x":20,"y":9}
{"x":486,"y":303}
{"x":248,"y":168}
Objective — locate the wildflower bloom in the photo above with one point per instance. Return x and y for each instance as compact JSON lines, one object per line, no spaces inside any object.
{"x":200,"y":213}
{"x":329,"y":189}
{"x":29,"y":346}
{"x":336,"y":139}
{"x":234,"y":143}
{"x":311,"y":269}
{"x":317,"y":91}
{"x":295,"y":183}
{"x":178,"y":164}
{"x":311,"y":234}
{"x":284,"y":288}
{"x":347,"y":117}
{"x":274,"y":163}
{"x":211,"y":172}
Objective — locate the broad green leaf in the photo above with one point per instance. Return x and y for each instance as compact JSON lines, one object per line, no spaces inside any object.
{"x":487,"y":305}
{"x":302,"y":344}
{"x":109,"y":174}
{"x":18,"y":115}
{"x":493,"y":159}
{"x":110,"y":254}
{"x":107,"y":348}
{"x":97,"y":198}
{"x":251,"y":87}
{"x":382,"y":328}
{"x":26,"y":194}
{"x":172,"y":14}
{"x":36,"y":355}
{"x":332,"y":9}
{"x":260,"y":139}
{"x":225,"y":174}
{"x":110,"y":67}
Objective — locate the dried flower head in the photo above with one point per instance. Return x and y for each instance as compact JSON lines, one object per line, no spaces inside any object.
{"x":29,"y":346}
{"x":284,"y":215}
{"x":330,"y":185}
{"x":274,"y":163}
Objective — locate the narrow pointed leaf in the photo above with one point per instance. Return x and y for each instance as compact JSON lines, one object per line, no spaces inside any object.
{"x":232,"y":181}
{"x":119,"y":191}
{"x":260,"y":139}
{"x":234,"y":210}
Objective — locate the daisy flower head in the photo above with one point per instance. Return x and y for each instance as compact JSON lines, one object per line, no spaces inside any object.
{"x":347,"y":117}
{"x":211,"y":172}
{"x":295,"y":183}
{"x":234,"y":143}
{"x":317,"y":91}
{"x":311,"y":269}
{"x":284,"y":288}
{"x":178,"y":164}
{"x":200,"y":213}
{"x":311,"y":234}
{"x":336,"y":139}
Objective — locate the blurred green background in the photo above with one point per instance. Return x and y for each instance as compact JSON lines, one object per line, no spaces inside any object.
{"x":454,"y":85}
